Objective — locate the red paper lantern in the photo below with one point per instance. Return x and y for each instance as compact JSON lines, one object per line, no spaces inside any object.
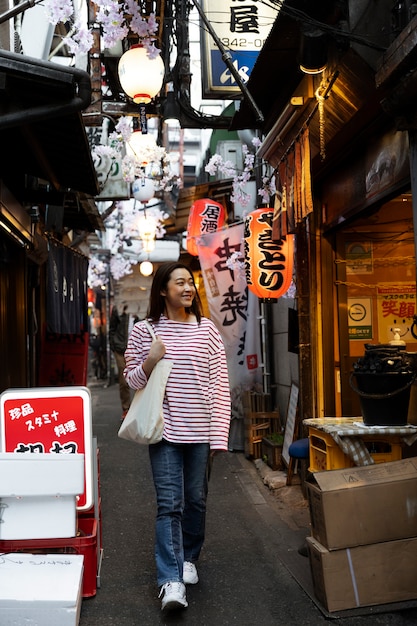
{"x":268,"y":263}
{"x":206,"y":216}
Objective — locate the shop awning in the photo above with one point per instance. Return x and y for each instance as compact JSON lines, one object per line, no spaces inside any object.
{"x":44,"y":143}
{"x":219,"y":190}
{"x":352,"y":85}
{"x":276,"y":73}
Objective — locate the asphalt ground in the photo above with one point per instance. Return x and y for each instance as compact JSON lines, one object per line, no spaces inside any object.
{"x":250,"y":569}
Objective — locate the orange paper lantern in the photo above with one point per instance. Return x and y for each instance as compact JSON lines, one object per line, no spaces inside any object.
{"x":268,"y":263}
{"x":206,"y":216}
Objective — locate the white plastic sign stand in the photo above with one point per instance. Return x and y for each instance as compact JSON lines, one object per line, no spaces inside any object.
{"x":50,"y":420}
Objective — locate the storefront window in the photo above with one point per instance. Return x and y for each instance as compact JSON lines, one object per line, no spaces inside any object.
{"x":376,"y":286}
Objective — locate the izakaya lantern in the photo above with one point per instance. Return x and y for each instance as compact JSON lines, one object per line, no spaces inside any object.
{"x":268,"y":263}
{"x":206,"y":216}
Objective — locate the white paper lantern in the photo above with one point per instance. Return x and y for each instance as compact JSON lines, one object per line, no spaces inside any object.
{"x":147,"y":226}
{"x":141,"y":146}
{"x":141,"y":78}
{"x":143,"y":189}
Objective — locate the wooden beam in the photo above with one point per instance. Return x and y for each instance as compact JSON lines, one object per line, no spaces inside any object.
{"x":399,"y":56}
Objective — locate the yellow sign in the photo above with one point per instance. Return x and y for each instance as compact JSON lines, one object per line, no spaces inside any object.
{"x":396,"y":305}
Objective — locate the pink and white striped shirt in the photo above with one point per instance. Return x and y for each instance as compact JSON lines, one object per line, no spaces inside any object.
{"x":197,"y":405}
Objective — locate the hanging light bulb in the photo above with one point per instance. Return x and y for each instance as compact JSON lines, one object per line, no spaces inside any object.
{"x":313,"y":51}
{"x":147,"y":231}
{"x":146,"y":268}
{"x":171,"y":108}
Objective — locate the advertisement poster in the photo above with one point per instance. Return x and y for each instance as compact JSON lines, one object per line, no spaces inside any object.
{"x":396,"y":309}
{"x":50,"y":421}
{"x":235,"y":311}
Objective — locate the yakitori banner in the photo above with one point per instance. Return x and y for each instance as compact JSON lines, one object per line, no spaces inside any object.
{"x":234,"y":310}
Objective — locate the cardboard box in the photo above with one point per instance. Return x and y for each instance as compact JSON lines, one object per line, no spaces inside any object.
{"x":40,"y":590}
{"x":380,"y":573}
{"x":361,"y":505}
{"x":38,"y":494}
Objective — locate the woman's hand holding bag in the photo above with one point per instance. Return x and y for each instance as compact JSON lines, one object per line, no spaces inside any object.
{"x":144,"y":422}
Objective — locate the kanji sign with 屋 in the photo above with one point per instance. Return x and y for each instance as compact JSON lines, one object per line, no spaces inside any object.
{"x":49,"y":421}
{"x":242,"y":27}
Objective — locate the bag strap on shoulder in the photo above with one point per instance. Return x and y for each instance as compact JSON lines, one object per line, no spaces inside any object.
{"x":150,"y":328}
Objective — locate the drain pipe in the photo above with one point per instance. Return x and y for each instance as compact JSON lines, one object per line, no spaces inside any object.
{"x":266,"y":374}
{"x":16,"y":10}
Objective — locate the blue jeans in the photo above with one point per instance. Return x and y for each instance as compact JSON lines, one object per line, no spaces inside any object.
{"x":180,"y":479}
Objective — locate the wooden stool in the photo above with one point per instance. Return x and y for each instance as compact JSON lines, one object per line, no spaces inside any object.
{"x":259,"y":421}
{"x":257,"y":426}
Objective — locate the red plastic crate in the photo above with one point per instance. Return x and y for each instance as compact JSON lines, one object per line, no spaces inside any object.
{"x":91,"y":514}
{"x":85,"y":543}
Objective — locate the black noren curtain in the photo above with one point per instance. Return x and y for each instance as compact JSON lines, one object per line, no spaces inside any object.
{"x":66,"y":306}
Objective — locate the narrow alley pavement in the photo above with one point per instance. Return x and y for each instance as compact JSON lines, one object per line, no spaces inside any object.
{"x":250,"y":570}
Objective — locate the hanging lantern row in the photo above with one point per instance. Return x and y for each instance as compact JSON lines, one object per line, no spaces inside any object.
{"x":206,"y":216}
{"x":268,"y":263}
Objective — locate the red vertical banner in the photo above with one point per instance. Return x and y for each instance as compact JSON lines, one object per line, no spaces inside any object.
{"x":50,"y":421}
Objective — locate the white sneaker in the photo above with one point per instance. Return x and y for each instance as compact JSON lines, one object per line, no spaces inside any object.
{"x":190,"y":576}
{"x":173,"y":596}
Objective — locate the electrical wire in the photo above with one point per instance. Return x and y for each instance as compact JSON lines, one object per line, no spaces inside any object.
{"x":180,"y":36}
{"x":336,"y":33}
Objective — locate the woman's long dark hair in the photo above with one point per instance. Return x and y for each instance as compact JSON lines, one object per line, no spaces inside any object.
{"x":160,"y":282}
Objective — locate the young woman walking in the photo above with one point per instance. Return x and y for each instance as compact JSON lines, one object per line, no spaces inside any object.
{"x":197,"y":419}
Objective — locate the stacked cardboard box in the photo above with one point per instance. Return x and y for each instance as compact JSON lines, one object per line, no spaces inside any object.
{"x":363,"y":548}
